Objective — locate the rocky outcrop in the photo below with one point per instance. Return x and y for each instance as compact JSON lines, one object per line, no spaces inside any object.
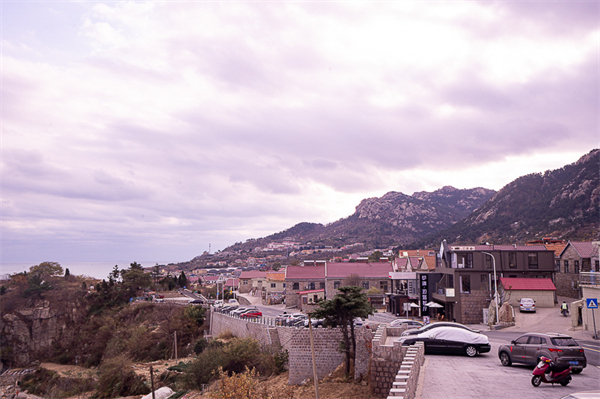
{"x":31,"y":332}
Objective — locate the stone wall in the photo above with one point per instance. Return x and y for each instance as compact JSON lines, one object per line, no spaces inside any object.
{"x":394,"y":368}
{"x":566,"y":284}
{"x":297,"y":342}
{"x":472,"y":306}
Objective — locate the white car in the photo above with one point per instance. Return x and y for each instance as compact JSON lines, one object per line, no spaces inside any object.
{"x":526,"y":305}
{"x":408,"y":323}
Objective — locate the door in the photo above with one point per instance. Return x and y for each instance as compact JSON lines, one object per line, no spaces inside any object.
{"x":534,"y":345}
{"x":519,"y":349}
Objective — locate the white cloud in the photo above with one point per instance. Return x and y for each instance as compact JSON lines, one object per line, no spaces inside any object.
{"x":169,"y":124}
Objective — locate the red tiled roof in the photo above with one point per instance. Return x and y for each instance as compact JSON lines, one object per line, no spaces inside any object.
{"x":530,"y":284}
{"x":305,"y":272}
{"x":276,"y":276}
{"x":232,"y":282}
{"x":366,"y":270}
{"x":310,"y":291}
{"x":253,"y":274}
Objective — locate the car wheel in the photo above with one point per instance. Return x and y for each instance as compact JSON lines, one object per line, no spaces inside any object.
{"x":471,"y":351}
{"x":577,"y":371}
{"x":505,"y":359}
{"x":536,"y":380}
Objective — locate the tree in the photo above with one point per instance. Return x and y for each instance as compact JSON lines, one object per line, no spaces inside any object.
{"x":341,"y":311}
{"x":135,"y":266}
{"x":375,"y":256}
{"x":276,"y":266}
{"x":135,"y":279}
{"x":47,"y":269}
{"x":67,"y":272}
{"x":182,"y":280}
{"x":114,"y":275}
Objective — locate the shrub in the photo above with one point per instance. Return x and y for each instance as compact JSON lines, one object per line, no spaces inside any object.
{"x":200,"y":345}
{"x":116,"y":378}
{"x":50,"y":384}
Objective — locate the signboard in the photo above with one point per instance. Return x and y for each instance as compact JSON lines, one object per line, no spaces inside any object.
{"x":591,"y":303}
{"x":413,"y":292}
{"x":450,"y":292}
{"x":403,"y":275}
{"x":424,"y":293}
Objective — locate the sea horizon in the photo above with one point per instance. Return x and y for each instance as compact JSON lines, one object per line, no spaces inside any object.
{"x":95,"y":269}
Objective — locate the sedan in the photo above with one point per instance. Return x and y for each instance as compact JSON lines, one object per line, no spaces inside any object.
{"x":450,"y":340}
{"x":409,"y":323}
{"x":251,"y":314}
{"x":526,"y":305}
{"x":528,"y":349}
{"x":436,"y":325}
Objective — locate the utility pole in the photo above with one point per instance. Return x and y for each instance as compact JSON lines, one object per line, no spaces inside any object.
{"x":152,"y":382}
{"x":314,"y":362}
{"x":495,"y":285}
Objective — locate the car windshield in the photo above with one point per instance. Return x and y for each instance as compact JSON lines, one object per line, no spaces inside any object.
{"x":564,"y":342}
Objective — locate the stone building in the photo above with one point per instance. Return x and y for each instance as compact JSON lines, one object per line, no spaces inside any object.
{"x":575,"y":257}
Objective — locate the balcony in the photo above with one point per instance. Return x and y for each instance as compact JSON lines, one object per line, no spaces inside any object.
{"x":589,"y":278}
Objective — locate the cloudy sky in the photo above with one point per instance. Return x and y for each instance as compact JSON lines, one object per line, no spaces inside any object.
{"x":147,"y":130}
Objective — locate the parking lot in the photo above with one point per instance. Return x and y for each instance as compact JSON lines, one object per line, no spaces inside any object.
{"x":484,"y":377}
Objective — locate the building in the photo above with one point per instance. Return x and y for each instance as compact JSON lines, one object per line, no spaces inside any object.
{"x":541,"y":290}
{"x":576,"y":257}
{"x":302,"y":278}
{"x":252,"y":281}
{"x":466,"y":275}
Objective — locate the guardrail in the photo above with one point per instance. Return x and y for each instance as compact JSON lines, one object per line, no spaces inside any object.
{"x":589,"y":278}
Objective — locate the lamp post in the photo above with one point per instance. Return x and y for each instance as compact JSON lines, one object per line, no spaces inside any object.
{"x":495,"y":284}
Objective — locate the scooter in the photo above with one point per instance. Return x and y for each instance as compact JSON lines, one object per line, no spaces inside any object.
{"x":551,"y":373}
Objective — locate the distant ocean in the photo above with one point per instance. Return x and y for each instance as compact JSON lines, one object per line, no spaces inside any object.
{"x":98,"y":270}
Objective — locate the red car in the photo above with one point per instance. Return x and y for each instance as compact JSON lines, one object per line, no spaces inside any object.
{"x":251,"y":314}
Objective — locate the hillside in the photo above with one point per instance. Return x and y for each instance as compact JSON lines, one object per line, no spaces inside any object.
{"x":562,"y":203}
{"x":394,"y":218}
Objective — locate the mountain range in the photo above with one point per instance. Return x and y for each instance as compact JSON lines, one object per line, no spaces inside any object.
{"x":562,"y":203}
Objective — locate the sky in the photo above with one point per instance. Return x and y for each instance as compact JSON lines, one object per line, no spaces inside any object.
{"x":155,"y":131}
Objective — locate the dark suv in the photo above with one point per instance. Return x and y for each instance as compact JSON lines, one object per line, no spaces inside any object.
{"x":528,"y":349}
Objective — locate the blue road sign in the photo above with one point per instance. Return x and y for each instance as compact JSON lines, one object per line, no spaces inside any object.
{"x":591,"y":303}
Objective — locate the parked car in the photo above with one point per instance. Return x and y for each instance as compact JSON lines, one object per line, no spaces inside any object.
{"x":281,"y":319}
{"x":410,"y":323}
{"x":314,"y":322}
{"x":428,"y":327}
{"x":526,"y":305}
{"x":251,"y":314}
{"x":450,"y":340}
{"x":297,"y":320}
{"x":358,"y":322}
{"x":239,"y":311}
{"x":528,"y":348}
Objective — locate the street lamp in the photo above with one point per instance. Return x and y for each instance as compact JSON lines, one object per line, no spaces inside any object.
{"x":495,"y":284}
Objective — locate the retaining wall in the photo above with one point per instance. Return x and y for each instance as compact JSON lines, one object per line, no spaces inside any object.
{"x":296,"y":341}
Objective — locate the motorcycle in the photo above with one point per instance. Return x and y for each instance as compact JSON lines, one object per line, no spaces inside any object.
{"x":565,"y":312}
{"x":551,"y":373}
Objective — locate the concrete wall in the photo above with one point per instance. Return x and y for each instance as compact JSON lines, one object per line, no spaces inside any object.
{"x":590,"y":291}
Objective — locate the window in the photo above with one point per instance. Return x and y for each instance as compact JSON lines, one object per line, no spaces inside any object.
{"x":465,"y":260}
{"x":522,"y":340}
{"x":534,"y":341}
{"x":597,"y":265}
{"x":296,"y":286}
{"x":566,"y":264}
{"x":512,"y":260}
{"x":245,"y":282}
{"x":315,"y":298}
{"x":532,"y":260}
{"x":273,"y":285}
{"x":366,"y":285}
{"x":484,"y":278}
{"x":557,"y":266}
{"x":576,"y":267}
{"x":465,"y":284}
{"x":488,"y":262}
{"x":336,"y":285}
{"x":311,"y":286}
{"x":383,"y":286}
{"x":322,"y":285}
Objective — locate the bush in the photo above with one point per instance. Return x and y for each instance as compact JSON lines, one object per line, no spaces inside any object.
{"x":116,"y":378}
{"x":200,"y":346}
{"x":50,"y":384}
